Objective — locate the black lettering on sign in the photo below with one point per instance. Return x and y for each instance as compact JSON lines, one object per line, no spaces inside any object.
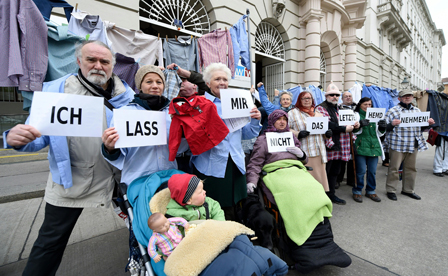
{"x":319,"y":125}
{"x":127,"y":130}
{"x":75,"y":115}
{"x":238,"y":103}
{"x":146,"y":126}
{"x":375,"y":115}
{"x":282,"y":142}
{"x":72,"y":115}
{"x":155,"y":130}
{"x":138,"y":129}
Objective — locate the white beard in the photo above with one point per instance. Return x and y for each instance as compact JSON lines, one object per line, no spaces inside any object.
{"x":96,"y":79}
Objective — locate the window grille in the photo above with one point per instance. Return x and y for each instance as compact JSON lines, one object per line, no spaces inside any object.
{"x":274,"y":78}
{"x":10,"y":94}
{"x":269,"y":42}
{"x":323,"y":71}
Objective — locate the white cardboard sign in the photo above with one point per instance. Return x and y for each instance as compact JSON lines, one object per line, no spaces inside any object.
{"x":60,"y":114}
{"x":317,"y":125}
{"x":346,"y":118}
{"x":375,"y":114}
{"x":279,"y":141}
{"x":138,"y":128}
{"x":414,"y":119}
{"x":235,"y":103}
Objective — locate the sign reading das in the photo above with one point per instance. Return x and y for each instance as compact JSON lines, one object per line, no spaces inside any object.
{"x":317,"y":125}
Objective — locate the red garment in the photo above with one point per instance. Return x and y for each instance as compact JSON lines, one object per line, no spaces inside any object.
{"x":198,"y":118}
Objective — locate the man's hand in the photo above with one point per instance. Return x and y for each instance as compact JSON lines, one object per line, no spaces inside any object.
{"x":349,"y":128}
{"x":180,"y":72}
{"x":431,"y":121}
{"x":21,"y":135}
{"x":356,"y":125}
{"x":255,"y":113}
{"x":395,"y":122}
{"x":259,"y":84}
{"x":110,"y":137}
{"x":276,"y":92}
{"x":328,"y":133}
{"x":252,"y":89}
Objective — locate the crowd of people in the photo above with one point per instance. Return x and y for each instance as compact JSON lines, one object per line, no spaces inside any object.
{"x":83,"y":171}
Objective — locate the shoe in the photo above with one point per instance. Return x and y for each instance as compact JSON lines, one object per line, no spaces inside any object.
{"x":385,"y":164}
{"x":411,"y":195}
{"x":337,"y":185}
{"x":439,"y":174}
{"x":351,"y":184}
{"x":337,"y":200}
{"x":392,"y":196}
{"x":445,"y":172}
{"x":374,"y":197}
{"x":357,"y":198}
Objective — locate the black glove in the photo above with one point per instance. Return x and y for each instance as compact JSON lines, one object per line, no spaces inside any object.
{"x":303,"y":134}
{"x":328,"y":133}
{"x":364,"y":123}
{"x":382,"y":125}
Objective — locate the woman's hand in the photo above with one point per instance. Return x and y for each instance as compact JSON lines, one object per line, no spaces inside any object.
{"x":255,"y":113}
{"x":259,"y":84}
{"x":250,"y":187}
{"x":110,"y":137}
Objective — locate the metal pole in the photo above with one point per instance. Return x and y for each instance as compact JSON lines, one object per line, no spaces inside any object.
{"x":252,"y":82}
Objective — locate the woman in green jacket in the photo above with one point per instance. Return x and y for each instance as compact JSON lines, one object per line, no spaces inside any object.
{"x":368,"y":148}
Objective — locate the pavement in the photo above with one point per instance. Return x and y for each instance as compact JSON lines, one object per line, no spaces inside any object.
{"x":404,"y":237}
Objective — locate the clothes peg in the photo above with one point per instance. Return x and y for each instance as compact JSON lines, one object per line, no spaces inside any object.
{"x":76,"y":7}
{"x":226,"y":29}
{"x":191,"y":36}
{"x":158,"y":36}
{"x":166,"y":37}
{"x":175,"y":36}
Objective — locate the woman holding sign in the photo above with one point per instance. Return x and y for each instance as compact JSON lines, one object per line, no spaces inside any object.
{"x":368,"y":148}
{"x":223,"y":166}
{"x":138,"y":161}
{"x":312,"y":144}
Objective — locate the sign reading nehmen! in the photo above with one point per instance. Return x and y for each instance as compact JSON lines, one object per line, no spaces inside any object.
{"x":279,"y":141}
{"x":375,"y":114}
{"x":414,"y":119}
{"x":60,"y":114}
{"x":347,"y":118}
{"x":235,"y":103}
{"x":138,"y":128}
{"x":317,"y":125}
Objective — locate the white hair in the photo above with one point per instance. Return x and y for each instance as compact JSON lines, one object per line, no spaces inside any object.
{"x":285,"y":92}
{"x":212,"y":68}
{"x":79,"y":46}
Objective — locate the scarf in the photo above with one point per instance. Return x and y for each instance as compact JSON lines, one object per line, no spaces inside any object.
{"x":150,"y":102}
{"x":105,"y":93}
{"x":287,"y":109}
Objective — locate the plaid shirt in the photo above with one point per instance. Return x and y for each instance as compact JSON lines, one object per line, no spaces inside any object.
{"x":344,"y":140}
{"x":216,"y":46}
{"x":172,"y":84}
{"x":313,"y":145}
{"x":402,"y":139}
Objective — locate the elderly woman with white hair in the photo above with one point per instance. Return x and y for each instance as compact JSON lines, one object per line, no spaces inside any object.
{"x":223,"y":166}
{"x":285,"y":100}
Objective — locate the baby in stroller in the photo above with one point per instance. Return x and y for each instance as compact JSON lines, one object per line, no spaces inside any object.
{"x":301,"y":200}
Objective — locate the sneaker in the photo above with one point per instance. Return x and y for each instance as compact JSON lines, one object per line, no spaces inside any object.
{"x":374,"y":197}
{"x":357,"y":198}
{"x":439,"y":174}
{"x":337,"y":200}
{"x":445,"y":172}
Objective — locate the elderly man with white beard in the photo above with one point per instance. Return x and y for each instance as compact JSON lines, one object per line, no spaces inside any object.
{"x":79,"y":175}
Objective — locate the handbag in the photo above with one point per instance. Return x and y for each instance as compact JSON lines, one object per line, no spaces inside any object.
{"x":432,"y":137}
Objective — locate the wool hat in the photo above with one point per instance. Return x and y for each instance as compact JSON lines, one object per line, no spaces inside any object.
{"x":141,"y":73}
{"x":182,"y":187}
{"x":332,"y":89}
{"x":405,"y":92}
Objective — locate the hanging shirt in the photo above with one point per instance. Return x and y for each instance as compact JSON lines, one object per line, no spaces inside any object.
{"x":380,"y":97}
{"x":45,"y":7}
{"x":216,"y":46}
{"x":317,"y":94}
{"x":172,"y":84}
{"x":145,"y":49}
{"x":23,"y":45}
{"x":83,"y":24}
{"x":356,"y":91}
{"x":183,"y":52}
{"x":240,"y":42}
{"x":126,"y":68}
{"x":196,"y":118}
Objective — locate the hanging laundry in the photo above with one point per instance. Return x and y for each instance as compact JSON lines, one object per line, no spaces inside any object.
{"x":145,"y":49}
{"x":197,"y":118}
{"x":172,"y":84}
{"x":238,"y":33}
{"x":45,"y":7}
{"x":126,"y":68}
{"x":356,"y":91}
{"x":394,"y":95}
{"x":318,"y":96}
{"x":183,"y":51}
{"x":438,"y":110}
{"x":216,"y":46}
{"x":380,"y":97}
{"x":23,"y":44}
{"x":91,"y":27}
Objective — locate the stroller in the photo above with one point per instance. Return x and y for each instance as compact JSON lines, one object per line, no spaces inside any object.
{"x":317,"y":247}
{"x":230,"y":242}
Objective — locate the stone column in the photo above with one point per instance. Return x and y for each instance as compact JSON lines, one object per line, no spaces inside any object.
{"x":350,"y":64}
{"x":312,"y":51}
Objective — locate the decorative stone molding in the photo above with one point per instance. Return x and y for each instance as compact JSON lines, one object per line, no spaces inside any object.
{"x":278,"y":6}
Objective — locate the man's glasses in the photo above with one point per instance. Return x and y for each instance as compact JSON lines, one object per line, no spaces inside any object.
{"x":333,"y":95}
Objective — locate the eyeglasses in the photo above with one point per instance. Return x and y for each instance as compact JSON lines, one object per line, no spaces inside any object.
{"x":333,"y":95}
{"x":306,"y":99}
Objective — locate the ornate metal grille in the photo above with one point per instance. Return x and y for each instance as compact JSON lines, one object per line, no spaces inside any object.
{"x":323,"y":70}
{"x":187,"y":15}
{"x":269,"y":41}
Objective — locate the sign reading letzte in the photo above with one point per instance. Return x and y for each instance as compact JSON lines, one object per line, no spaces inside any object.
{"x":347,"y":118}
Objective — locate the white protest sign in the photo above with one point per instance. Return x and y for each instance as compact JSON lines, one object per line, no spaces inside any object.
{"x":317,"y":125}
{"x":375,"y":114}
{"x":138,"y":128}
{"x":279,"y":141}
{"x":346,"y":118}
{"x":414,"y":119}
{"x":235,"y":103}
{"x":60,"y":114}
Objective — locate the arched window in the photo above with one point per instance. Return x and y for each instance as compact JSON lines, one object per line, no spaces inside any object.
{"x":323,"y":70}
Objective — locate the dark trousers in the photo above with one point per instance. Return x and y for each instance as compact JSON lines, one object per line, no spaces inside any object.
{"x":350,"y":172}
{"x":47,"y":251}
{"x":332,"y":168}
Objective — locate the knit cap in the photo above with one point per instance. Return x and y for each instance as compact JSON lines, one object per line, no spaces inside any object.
{"x":182,"y":187}
{"x":141,"y":73}
{"x":332,"y":89}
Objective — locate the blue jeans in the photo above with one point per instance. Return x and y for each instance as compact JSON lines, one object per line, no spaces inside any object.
{"x":362,"y":163}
